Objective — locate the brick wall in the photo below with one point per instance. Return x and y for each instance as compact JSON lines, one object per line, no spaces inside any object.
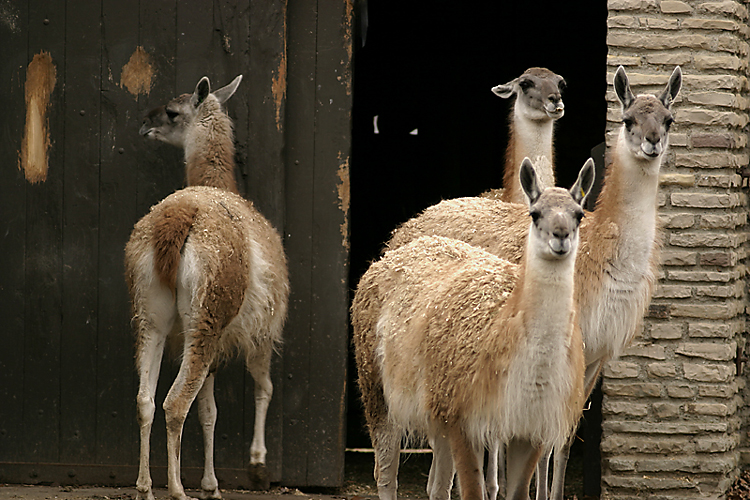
{"x":674,"y":417}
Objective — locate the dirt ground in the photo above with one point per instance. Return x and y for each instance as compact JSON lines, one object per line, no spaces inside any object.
{"x":358,"y":485}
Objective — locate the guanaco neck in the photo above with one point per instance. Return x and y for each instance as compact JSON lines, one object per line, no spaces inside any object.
{"x":527,"y":138}
{"x":209,"y":148}
{"x":628,"y":200}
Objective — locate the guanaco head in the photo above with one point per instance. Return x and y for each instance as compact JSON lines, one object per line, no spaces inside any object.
{"x":169,"y":123}
{"x":538,"y":94}
{"x":556,"y":213}
{"x":646,"y":118}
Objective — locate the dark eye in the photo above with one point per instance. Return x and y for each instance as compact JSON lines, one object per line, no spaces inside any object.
{"x":579,"y":216}
{"x":562,"y":85}
{"x":172,"y":114}
{"x":668,"y":122}
{"x":628,"y":122}
{"x":535,"y":215}
{"x":525,"y":84}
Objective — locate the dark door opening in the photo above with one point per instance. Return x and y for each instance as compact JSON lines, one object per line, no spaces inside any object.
{"x":427,"y":127}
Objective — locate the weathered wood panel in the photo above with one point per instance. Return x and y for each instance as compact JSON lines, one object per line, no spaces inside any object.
{"x":318,"y":142}
{"x":68,"y":382}
{"x":14,"y":39}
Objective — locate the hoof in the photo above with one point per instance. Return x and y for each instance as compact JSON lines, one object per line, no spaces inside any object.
{"x":144,"y":495}
{"x":259,"y":479}
{"x":211,"y":495}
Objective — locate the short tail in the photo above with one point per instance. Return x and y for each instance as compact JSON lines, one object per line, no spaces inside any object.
{"x":170,"y":232}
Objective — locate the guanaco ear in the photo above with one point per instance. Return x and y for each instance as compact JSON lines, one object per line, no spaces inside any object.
{"x":673,"y":87}
{"x":622,"y":88}
{"x":584,"y":183}
{"x":529,"y":182}
{"x":507,"y":90}
{"x":201,"y":92}
{"x":223,"y":94}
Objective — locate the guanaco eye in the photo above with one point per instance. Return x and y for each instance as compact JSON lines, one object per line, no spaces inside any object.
{"x":525,"y":84}
{"x":628,"y":122}
{"x":172,"y":114}
{"x":668,"y":122}
{"x":579,"y":216}
{"x":535,"y":215}
{"x":562,"y":85}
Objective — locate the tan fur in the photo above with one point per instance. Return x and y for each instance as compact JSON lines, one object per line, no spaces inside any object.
{"x":456,"y":344}
{"x":530,"y":129}
{"x":206,"y":266}
{"x":207,"y":144}
{"x":613,"y":286}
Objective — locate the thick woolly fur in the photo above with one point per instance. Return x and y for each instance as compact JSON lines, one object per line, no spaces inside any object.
{"x":452,"y":341}
{"x":204,"y":267}
{"x":207,"y":143}
{"x":229,"y":283}
{"x":619,"y":250}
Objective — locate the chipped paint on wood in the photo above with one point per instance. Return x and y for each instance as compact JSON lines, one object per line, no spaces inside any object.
{"x":348,"y":37}
{"x":278,"y":81}
{"x":343,"y":192}
{"x":41,"y":77}
{"x":137,"y":73}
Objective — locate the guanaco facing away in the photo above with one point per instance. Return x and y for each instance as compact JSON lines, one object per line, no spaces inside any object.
{"x":462,"y":347}
{"x":203,"y":265}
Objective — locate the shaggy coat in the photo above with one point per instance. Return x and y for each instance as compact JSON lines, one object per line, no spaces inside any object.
{"x":204,"y":267}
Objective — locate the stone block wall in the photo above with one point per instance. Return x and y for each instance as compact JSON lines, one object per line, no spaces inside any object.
{"x":674,"y":405}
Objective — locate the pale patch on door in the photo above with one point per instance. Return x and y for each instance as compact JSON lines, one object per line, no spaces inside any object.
{"x":343,"y":191}
{"x":137,"y":73}
{"x":40,"y":81}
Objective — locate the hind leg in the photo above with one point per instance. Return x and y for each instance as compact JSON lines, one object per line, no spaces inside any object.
{"x":155,"y":316}
{"x":207,"y":417}
{"x":190,"y":379}
{"x":260,"y":370}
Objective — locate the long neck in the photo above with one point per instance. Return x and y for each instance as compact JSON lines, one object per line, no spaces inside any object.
{"x":628,"y":200}
{"x":209,"y":150}
{"x":546,"y":293}
{"x":528,"y":138}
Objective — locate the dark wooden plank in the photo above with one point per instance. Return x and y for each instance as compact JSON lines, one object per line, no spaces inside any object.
{"x":329,"y":333}
{"x":13,"y":240}
{"x":260,"y":148}
{"x":266,"y":86}
{"x":116,"y":426}
{"x":160,"y":166}
{"x":44,"y":235}
{"x":78,"y":391}
{"x":298,"y":236}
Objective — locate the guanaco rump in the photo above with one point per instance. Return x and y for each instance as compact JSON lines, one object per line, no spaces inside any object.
{"x":620,"y":240}
{"x":206,"y":267}
{"x":465,"y":348}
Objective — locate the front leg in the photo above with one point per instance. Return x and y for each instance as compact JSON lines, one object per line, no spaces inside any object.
{"x":465,"y":458}
{"x":440,"y":480}
{"x":520,"y":458}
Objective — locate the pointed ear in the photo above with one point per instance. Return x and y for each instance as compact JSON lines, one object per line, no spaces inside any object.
{"x":529,"y":182}
{"x":622,"y":88}
{"x":584,"y":183}
{"x":507,"y":90}
{"x":673,"y":87}
{"x":201,"y":92}
{"x":224,"y":93}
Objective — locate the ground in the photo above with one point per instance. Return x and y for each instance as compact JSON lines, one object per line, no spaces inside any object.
{"x":358,"y":485}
